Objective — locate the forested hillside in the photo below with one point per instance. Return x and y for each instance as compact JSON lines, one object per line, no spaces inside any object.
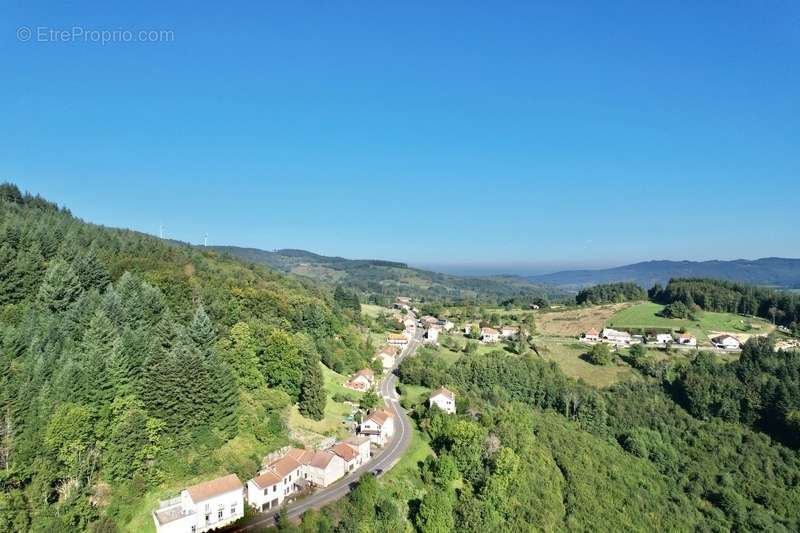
{"x":610,"y":293}
{"x":780,"y":307}
{"x":128,"y":365}
{"x":531,"y":450}
{"x":381,"y":281}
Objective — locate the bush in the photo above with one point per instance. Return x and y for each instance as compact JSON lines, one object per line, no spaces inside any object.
{"x":600,"y":354}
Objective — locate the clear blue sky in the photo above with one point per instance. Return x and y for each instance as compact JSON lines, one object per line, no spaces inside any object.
{"x":536,"y":135}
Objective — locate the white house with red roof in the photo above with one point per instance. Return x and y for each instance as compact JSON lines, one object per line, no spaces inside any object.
{"x":591,"y":335}
{"x":387,"y":356}
{"x":361,"y":380}
{"x":202,"y":507}
{"x":378,"y":427}
{"x":489,"y":335}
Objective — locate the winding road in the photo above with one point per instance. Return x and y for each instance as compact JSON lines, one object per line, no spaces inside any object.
{"x":381,"y":463}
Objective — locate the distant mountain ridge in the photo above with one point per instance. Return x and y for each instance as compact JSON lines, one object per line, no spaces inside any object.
{"x":390,"y":278}
{"x":769,"y":271}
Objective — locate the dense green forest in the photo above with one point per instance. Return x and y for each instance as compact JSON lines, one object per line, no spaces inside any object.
{"x":610,"y":293}
{"x":781,"y":307}
{"x":128,"y":363}
{"x":533,"y":450}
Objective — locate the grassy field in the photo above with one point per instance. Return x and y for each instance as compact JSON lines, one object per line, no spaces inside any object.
{"x":377,"y":310}
{"x":644,"y":315}
{"x":335,"y":412}
{"x":573,"y":322}
{"x":568,"y":358}
{"x":414,"y":394}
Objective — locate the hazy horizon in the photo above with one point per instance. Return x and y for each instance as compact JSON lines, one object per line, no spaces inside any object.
{"x":555,"y":135}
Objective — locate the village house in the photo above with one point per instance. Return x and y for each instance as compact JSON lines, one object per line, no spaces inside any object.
{"x":348,"y":454}
{"x":202,"y":507}
{"x":361,"y":380}
{"x":324,"y":467}
{"x":397,"y":339}
{"x":663,"y":338}
{"x":432,"y":335}
{"x":509,"y":332}
{"x":726,"y":342}
{"x":361,"y":444}
{"x":489,"y":335}
{"x":378,"y":426}
{"x":616,"y":337}
{"x":591,"y":335}
{"x":387,"y":356}
{"x":444,"y":399}
{"x":402,"y":302}
{"x":686,"y":340}
{"x":446,"y":325}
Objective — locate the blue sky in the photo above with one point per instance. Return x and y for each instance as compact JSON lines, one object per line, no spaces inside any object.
{"x":527,"y":136}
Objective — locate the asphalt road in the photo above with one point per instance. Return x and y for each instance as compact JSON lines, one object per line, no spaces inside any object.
{"x":382,"y":462}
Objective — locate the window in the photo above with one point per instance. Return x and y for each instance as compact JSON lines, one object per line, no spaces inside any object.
{"x":208,"y":518}
{"x":208,"y":507}
{"x":233,"y":509}
{"x":275,"y":488}
{"x":194,"y":529}
{"x":219,"y":514}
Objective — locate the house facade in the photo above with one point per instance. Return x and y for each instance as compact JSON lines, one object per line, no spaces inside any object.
{"x":509,"y":332}
{"x":687,"y":340}
{"x":361,"y":380}
{"x":202,"y":507}
{"x":432,"y":335}
{"x":663,"y":338}
{"x":361,"y":444}
{"x":489,"y":335}
{"x":387,"y":356}
{"x":324,"y":467}
{"x":378,"y":427}
{"x":591,"y":335}
{"x":726,"y":342}
{"x":616,"y":337}
{"x":444,"y":399}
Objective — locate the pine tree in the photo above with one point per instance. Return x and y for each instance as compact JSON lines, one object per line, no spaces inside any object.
{"x":60,"y":286}
{"x":91,"y":272}
{"x":101,"y":347}
{"x":10,"y":279}
{"x":312,"y":392}
{"x":225,"y":398}
{"x":201,"y":330}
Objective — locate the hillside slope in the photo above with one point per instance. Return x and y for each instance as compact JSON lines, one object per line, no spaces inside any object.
{"x":131,"y":367}
{"x":772,"y":271}
{"x":389,"y":279}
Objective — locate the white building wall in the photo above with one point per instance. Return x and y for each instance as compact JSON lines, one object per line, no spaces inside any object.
{"x":257,"y":498}
{"x":207,"y":513}
{"x":444,"y":403}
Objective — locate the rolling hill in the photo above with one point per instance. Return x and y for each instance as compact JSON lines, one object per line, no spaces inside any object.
{"x":772,"y":271}
{"x":388,"y":278}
